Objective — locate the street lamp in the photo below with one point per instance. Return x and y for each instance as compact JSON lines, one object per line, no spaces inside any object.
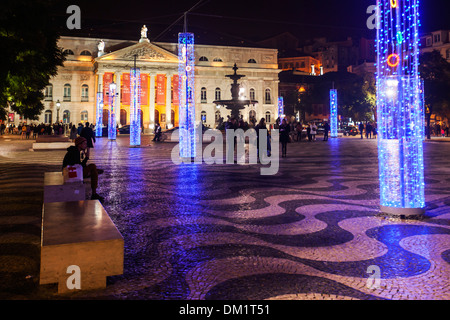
{"x":58,"y":106}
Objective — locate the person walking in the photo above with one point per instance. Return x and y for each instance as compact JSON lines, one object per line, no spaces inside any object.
{"x":89,"y":135}
{"x":158,"y":132}
{"x":308,"y":131}
{"x":313,"y":131}
{"x":299,"y":129}
{"x":369,"y":130}
{"x":326,"y":127}
{"x":73,"y":133}
{"x":361,"y":129}
{"x":284,"y":136}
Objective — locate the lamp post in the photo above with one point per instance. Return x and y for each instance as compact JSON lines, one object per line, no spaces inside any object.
{"x":58,"y":106}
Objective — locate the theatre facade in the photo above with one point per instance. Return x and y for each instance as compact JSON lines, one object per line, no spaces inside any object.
{"x":93,"y":64}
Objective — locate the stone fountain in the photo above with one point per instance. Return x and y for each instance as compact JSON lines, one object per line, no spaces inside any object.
{"x":235,"y":104}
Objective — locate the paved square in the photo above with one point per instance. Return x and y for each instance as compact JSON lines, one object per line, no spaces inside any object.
{"x":191,"y":231}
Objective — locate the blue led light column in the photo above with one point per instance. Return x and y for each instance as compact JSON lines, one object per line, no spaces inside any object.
{"x":186,"y":77}
{"x":99,"y":117}
{"x":399,"y":114}
{"x":333,"y":114}
{"x":135,"y":107}
{"x":280,"y":108}
{"x":112,"y":132}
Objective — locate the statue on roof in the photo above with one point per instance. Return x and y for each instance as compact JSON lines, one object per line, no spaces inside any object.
{"x":101,"y":47}
{"x":144,"y":32}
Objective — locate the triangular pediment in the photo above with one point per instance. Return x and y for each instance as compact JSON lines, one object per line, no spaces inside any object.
{"x":143,"y":51}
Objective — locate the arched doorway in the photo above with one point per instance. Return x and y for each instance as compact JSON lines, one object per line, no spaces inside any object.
{"x":66,"y":116}
{"x":123,"y":117}
{"x":157,"y":116}
{"x":105,"y":117}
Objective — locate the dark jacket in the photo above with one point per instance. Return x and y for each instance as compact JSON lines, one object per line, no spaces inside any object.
{"x":87,"y":133}
{"x":72,"y":157}
{"x":284,"y":132}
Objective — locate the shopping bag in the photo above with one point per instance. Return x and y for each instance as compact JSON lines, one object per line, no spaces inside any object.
{"x":73,"y":173}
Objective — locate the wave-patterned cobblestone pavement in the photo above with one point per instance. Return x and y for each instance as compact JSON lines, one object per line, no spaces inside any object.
{"x":221,"y":232}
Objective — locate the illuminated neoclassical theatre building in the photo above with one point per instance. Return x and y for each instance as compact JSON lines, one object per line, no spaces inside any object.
{"x":93,"y":64}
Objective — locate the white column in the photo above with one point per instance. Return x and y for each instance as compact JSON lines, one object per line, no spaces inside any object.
{"x":152,"y":100}
{"x":168,"y":100}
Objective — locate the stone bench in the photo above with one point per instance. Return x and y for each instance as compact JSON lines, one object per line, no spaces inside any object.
{"x":80,"y":246}
{"x":46,"y":142}
{"x":55,"y":190}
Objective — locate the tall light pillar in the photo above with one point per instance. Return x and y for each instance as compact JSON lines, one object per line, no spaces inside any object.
{"x":333,"y":114}
{"x":112,"y":132}
{"x":135,"y":107}
{"x":399,"y":114}
{"x":281,"y":108}
{"x":99,"y":115}
{"x":186,"y":74}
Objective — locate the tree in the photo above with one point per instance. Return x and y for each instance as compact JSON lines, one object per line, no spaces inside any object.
{"x":435,"y":72}
{"x":30,"y":55}
{"x":356,"y":95}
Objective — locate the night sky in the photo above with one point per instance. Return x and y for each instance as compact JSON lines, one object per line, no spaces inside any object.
{"x":235,"y":21}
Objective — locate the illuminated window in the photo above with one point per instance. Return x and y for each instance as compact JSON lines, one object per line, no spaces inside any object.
{"x":85,"y":53}
{"x":48,"y":116}
{"x":218,"y":94}
{"x":66,"y":116}
{"x":84,"y":93}
{"x":84,"y":115}
{"x":268,"y":116}
{"x":67,"y":92}
{"x":48,"y":93}
{"x":252,"y":94}
{"x":267,"y":97}
{"x":203,"y":95}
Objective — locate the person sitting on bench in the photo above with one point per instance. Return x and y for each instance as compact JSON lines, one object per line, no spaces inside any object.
{"x":79,"y":154}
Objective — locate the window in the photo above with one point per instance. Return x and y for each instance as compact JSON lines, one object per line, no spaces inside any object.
{"x":84,"y":93}
{"x":267,"y":97}
{"x":67,"y":92}
{"x":48,"y":93}
{"x":48,"y":116}
{"x":447,"y":54}
{"x":203,"y":58}
{"x":85,"y":53}
{"x":203,"y":95}
{"x":437,"y":38}
{"x":252,"y":94}
{"x":428,"y":42}
{"x":218,"y":94}
{"x":218,"y":60}
{"x":68,"y":52}
{"x":66,"y":116}
{"x":84,"y":116}
{"x":203,"y":115}
{"x":251,"y":61}
{"x":267,"y":116}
